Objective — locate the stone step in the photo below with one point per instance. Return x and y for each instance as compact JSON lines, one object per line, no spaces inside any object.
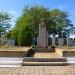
{"x":68,"y":53}
{"x":31,"y":59}
{"x":45,"y":64}
{"x":10,"y":66}
{"x":43,"y":50}
{"x":71,"y":63}
{"x":71,"y":60}
{"x":10,"y":62}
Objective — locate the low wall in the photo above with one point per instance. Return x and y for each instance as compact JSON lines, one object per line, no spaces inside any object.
{"x":14,"y":52}
{"x":65,"y":52}
{"x":69,"y":53}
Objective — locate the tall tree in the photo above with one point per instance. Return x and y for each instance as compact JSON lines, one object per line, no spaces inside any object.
{"x":61,"y":24}
{"x":4,"y":23}
{"x":27,"y":25}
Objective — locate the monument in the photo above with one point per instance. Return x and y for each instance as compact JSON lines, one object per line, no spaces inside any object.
{"x":42,"y":40}
{"x":61,"y":41}
{"x":69,"y":41}
{"x":11,"y":42}
{"x":53,"y":40}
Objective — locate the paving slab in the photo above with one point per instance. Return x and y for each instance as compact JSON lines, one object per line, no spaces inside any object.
{"x":39,"y":70}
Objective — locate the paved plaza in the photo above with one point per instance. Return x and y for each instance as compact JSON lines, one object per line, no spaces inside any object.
{"x":39,"y":70}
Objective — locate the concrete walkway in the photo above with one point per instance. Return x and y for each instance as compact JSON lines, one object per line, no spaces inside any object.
{"x":39,"y":70}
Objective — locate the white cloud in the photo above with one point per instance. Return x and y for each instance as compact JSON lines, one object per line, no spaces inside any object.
{"x":12,"y":12}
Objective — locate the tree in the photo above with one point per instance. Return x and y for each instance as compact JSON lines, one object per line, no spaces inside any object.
{"x":61,"y":24}
{"x":27,"y":25}
{"x":4,"y":23}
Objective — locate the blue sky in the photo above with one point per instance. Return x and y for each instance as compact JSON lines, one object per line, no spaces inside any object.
{"x":15,"y":7}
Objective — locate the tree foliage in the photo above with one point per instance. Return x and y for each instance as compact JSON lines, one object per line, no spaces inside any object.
{"x":4,"y":22}
{"x":27,"y":25}
{"x":60,"y":23}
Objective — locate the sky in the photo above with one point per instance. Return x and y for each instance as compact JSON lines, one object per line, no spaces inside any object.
{"x":15,"y":7}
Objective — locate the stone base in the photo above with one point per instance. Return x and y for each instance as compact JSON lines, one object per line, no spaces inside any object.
{"x":44,"y":50}
{"x":65,"y":53}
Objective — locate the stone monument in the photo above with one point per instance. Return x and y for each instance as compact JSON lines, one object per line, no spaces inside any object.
{"x":11,"y":42}
{"x":69,"y":41}
{"x":61,"y":41}
{"x":53,"y":40}
{"x":42,"y":41}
